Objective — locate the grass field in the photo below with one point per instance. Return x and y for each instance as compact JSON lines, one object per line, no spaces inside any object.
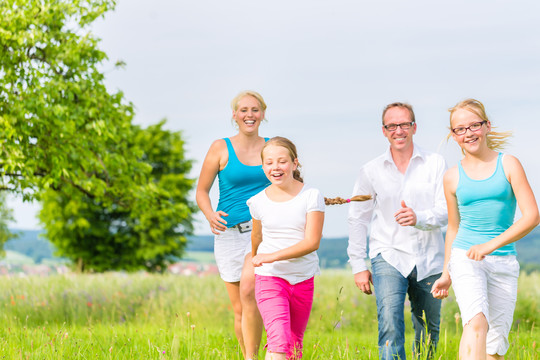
{"x":141,"y":316}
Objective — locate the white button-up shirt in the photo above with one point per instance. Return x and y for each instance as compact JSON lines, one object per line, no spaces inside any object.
{"x":403,"y":247}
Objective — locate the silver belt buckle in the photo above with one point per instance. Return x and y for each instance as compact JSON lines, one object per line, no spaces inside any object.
{"x":244,"y":227}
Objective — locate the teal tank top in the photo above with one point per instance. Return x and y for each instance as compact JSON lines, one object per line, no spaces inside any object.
{"x":237,"y":183}
{"x":486,"y":209}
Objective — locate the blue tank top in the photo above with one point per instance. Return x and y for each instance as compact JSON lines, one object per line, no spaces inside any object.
{"x":486,"y":209}
{"x":237,"y":183}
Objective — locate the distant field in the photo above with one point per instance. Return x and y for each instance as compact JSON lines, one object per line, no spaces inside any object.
{"x":332,"y":251}
{"x":15,"y":258}
{"x":142,"y":316}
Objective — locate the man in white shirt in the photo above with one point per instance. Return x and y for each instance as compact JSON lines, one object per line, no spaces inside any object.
{"x":406,"y":245}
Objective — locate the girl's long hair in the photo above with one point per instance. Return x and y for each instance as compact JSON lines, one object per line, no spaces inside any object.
{"x":339,"y":200}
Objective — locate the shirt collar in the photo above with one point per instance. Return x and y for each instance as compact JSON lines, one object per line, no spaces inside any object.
{"x":418,"y":152}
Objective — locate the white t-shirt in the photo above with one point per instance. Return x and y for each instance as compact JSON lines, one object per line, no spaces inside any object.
{"x":283,"y":225}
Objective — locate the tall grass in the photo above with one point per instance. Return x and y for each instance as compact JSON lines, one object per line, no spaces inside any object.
{"x":141,"y":316}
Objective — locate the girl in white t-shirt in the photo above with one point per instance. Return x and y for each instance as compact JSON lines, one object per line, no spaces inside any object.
{"x":288,"y":219}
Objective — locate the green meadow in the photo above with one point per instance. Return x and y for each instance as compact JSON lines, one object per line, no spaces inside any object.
{"x":142,"y":316}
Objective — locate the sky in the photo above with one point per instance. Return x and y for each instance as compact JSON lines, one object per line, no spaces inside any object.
{"x":326,"y":69}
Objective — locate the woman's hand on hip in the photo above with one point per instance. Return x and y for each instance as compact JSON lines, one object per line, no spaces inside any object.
{"x":217,"y":223}
{"x":479,"y":252}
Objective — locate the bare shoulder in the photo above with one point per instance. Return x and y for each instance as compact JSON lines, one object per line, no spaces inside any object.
{"x":218,"y":146}
{"x":451,"y":178}
{"x":451,"y":173}
{"x":512,"y":167}
{"x":510,"y":161}
{"x":217,"y":155}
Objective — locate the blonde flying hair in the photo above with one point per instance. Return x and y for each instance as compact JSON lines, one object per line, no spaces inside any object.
{"x":495,"y":140}
{"x":288,"y":144}
{"x":243,"y":94}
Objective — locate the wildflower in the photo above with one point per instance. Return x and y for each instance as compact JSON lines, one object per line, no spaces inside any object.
{"x":187,"y":314}
{"x":193,"y":327}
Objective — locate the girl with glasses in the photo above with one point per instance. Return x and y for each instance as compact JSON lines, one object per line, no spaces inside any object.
{"x":480,"y":256}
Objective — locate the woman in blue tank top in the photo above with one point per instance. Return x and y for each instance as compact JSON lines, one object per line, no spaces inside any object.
{"x":481,"y":194}
{"x":236,"y":161}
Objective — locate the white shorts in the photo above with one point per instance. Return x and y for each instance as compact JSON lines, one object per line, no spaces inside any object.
{"x":488,"y":286}
{"x":230,"y":250}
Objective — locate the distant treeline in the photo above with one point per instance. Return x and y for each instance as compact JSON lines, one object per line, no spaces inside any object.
{"x":332,"y":251}
{"x":31,"y":244}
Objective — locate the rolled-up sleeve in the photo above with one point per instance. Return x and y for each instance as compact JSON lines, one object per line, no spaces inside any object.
{"x":359,"y":217}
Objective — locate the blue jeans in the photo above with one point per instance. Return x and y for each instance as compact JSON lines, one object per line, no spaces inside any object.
{"x":390,"y":290}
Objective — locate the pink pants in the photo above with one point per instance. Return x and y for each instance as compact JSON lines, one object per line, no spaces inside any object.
{"x":285,"y":310}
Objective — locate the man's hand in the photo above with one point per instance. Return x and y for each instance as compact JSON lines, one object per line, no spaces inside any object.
{"x":363,"y":280}
{"x":405,"y":216}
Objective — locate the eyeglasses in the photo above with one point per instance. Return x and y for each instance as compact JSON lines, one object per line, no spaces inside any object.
{"x":473,"y":127}
{"x":403,"y":126}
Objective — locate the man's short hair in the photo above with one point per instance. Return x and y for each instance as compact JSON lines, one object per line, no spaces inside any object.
{"x":401,"y":105}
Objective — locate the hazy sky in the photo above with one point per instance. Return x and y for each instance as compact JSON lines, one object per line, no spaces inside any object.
{"x":326,"y":70}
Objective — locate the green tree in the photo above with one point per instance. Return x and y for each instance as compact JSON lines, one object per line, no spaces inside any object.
{"x":103,"y":238}
{"x":64,"y":135}
{"x":58,"y":122}
{"x":6,"y":216}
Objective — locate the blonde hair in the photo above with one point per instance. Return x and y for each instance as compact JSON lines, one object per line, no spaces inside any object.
{"x":243,"y":94}
{"x":400,"y":105}
{"x":495,"y":140}
{"x":287,"y":144}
